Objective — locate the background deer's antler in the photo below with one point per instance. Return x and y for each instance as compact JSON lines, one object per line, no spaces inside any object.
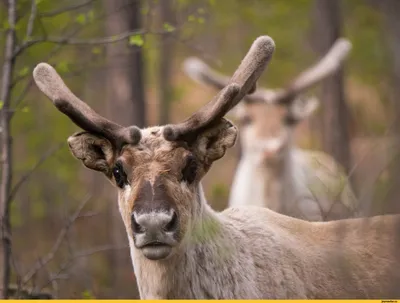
{"x":330,"y":63}
{"x":242,"y":82}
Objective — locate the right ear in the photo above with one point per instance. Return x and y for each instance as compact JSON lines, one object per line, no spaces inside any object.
{"x":95,"y":152}
{"x":302,"y":108}
{"x":238,"y":112}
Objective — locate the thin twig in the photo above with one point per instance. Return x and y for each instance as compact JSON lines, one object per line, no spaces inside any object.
{"x":82,"y":254}
{"x":66,"y":9}
{"x":32,"y":17}
{"x":6,"y":149}
{"x":43,"y":261}
{"x":26,"y":176}
{"x":17,"y":293}
{"x":54,"y":283}
{"x":25,"y":90}
{"x":71,"y":41}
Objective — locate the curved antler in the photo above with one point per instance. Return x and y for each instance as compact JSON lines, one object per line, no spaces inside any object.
{"x":330,"y":63}
{"x":51,"y":84}
{"x":201,"y":73}
{"x":242,"y":82}
{"x":326,"y":66}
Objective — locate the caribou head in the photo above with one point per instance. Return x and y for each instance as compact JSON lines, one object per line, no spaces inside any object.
{"x":267,"y":117}
{"x":157,"y":170}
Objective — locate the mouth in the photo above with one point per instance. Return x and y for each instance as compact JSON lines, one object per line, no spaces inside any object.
{"x":156,"y":250}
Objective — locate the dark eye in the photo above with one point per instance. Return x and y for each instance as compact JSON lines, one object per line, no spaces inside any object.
{"x":246,"y":120}
{"x":190,"y":170}
{"x":119,"y":175}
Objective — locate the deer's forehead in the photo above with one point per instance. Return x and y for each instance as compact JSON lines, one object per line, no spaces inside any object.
{"x":267,"y":120}
{"x":153,"y":150}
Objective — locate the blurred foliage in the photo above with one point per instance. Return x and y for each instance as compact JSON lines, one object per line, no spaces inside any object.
{"x":87,"y":294}
{"x":219,"y":192}
{"x":218,"y":31}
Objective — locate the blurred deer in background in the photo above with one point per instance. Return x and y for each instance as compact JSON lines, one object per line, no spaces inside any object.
{"x":182,"y":249}
{"x":272,"y":171}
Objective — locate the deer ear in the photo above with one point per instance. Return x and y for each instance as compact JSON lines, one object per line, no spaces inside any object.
{"x":238,"y":112}
{"x":213,"y":144}
{"x":303,"y":108}
{"x":95,"y":152}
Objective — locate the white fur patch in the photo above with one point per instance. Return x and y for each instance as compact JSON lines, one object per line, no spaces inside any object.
{"x":271,"y":145}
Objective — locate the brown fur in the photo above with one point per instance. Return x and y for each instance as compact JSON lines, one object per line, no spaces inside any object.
{"x":251,"y":252}
{"x":301,"y":183}
{"x":241,"y":253}
{"x":272,"y":172}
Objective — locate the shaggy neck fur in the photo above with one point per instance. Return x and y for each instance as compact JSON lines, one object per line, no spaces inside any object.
{"x":205,"y":260}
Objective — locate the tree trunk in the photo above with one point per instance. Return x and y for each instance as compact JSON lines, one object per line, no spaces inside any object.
{"x":125,"y":76}
{"x":6,"y":152}
{"x":334,"y":109}
{"x":391,"y":13}
{"x":125,"y":105}
{"x":166,"y":50}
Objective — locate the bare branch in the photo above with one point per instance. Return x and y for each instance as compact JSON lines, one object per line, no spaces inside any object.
{"x":32,"y":17}
{"x":25,"y":90}
{"x":54,"y":283}
{"x":15,"y":292}
{"x":81,"y":254}
{"x":43,"y":261}
{"x":72,"y":41}
{"x":6,"y":150}
{"x":26,"y":176}
{"x":66,"y":9}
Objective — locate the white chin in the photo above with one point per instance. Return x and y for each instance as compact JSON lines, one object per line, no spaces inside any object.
{"x":157,"y":252}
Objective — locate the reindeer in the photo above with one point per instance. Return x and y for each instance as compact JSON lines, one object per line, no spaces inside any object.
{"x":272,"y":171}
{"x":181,"y":248}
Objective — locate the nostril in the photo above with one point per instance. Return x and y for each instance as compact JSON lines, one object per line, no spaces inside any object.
{"x":171,"y":225}
{"x":136,"y":227}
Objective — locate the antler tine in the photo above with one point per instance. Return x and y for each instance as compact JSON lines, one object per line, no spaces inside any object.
{"x":201,"y":73}
{"x":51,"y":84}
{"x":331,"y":62}
{"x":328,"y":65}
{"x":242,"y":82}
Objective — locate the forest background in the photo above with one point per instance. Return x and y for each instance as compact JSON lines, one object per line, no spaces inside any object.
{"x":61,"y":233}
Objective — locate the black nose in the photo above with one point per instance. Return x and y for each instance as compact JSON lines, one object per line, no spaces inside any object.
{"x":154,"y":222}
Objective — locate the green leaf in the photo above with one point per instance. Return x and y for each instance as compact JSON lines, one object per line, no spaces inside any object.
{"x":136,"y":40}
{"x":191,"y":18}
{"x":23,"y":72}
{"x":168,"y":27}
{"x":25,"y":109}
{"x":144,"y":10}
{"x":87,"y":294}
{"x":201,"y":10}
{"x":200,"y":20}
{"x":81,"y":19}
{"x":90,"y":15}
{"x":63,"y":67}
{"x":1,"y":104}
{"x":96,"y":50}
{"x":5,"y":25}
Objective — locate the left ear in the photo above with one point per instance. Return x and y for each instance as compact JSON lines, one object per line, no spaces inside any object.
{"x":213,"y":143}
{"x":303,"y":108}
{"x":95,"y":152}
